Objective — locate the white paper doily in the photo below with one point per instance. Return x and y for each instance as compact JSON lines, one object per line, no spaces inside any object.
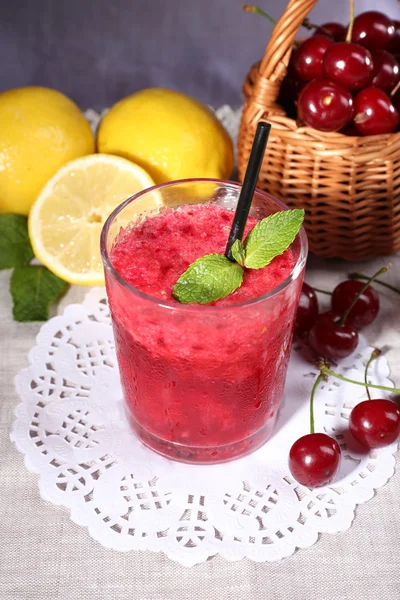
{"x":71,"y":427}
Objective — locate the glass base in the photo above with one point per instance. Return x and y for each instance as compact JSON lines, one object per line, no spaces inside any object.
{"x":201,"y":455}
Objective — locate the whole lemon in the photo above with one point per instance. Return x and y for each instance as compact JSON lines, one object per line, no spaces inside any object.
{"x":171,"y":135}
{"x":40,"y":131}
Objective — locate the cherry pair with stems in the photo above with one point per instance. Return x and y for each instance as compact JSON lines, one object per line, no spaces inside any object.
{"x":314,"y":459}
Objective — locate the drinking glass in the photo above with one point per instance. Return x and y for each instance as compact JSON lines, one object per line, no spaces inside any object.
{"x":201,"y":384}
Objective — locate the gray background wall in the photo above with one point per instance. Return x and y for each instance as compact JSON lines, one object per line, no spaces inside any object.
{"x":97,"y":51}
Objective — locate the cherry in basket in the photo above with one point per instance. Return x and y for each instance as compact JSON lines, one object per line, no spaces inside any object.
{"x":374,"y":30}
{"x":386,"y":71}
{"x":309,"y":57}
{"x":374,"y":112}
{"x":348,"y":64}
{"x":394,"y":45}
{"x":325,"y":105}
{"x":336,"y":31}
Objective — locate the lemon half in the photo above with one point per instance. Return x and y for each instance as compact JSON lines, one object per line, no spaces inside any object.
{"x":65,"y":221}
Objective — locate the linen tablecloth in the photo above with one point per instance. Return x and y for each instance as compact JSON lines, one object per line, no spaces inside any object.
{"x":45,"y":556}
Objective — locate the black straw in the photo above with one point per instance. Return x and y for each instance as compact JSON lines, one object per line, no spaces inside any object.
{"x":249,"y":185}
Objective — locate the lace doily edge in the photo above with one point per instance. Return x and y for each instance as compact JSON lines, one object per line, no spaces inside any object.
{"x":213,"y":547}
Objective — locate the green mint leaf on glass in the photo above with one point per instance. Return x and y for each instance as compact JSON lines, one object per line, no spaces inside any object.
{"x":208,"y":279}
{"x":271,"y":237}
{"x":238,"y":252}
{"x":213,"y":276}
{"x":15,"y":247}
{"x":33,"y":290}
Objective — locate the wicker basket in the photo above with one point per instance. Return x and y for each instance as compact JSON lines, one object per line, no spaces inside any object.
{"x":349,"y":186}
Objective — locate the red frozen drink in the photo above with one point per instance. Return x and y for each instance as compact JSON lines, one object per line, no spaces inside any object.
{"x":202,"y":383}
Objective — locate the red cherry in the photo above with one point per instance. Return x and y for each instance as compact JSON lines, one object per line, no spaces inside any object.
{"x":307,"y":61}
{"x":375,"y":423}
{"x":394,"y":45}
{"x":307,"y":311}
{"x":314,"y":459}
{"x":337,"y":31}
{"x":386,"y":72}
{"x":330,"y":340}
{"x":325,"y":105}
{"x":374,"y":30}
{"x":374,"y":113}
{"x":348,"y":64}
{"x":365,"y":309}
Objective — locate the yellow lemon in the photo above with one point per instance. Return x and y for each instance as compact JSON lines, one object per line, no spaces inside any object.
{"x":40,"y":130}
{"x":65,"y":221}
{"x":169,"y":134}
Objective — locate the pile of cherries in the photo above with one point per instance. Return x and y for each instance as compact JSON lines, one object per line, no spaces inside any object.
{"x":345,"y":78}
{"x":314,"y":459}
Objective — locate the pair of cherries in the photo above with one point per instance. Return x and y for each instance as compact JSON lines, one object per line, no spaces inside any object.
{"x":346,"y":85}
{"x":333,"y":335}
{"x":314,"y":459}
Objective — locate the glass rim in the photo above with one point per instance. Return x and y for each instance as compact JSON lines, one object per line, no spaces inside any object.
{"x":298,"y":267}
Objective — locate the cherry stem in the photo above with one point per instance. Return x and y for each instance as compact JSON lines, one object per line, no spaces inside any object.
{"x":344,"y":316}
{"x":322,"y":291}
{"x":375,"y":353}
{"x":326,"y":371}
{"x":395,"y":89}
{"x":351,"y":23}
{"x":259,"y":11}
{"x":314,"y":389}
{"x":308,"y":25}
{"x":366,"y":277}
{"x":250,"y":8}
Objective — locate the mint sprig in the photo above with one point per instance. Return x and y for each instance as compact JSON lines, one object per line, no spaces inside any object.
{"x":208,"y":279}
{"x":33,"y":290}
{"x":271,"y":237}
{"x":214,"y":276}
{"x":15,"y":247}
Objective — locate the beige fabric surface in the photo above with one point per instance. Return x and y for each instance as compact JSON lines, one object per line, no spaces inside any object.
{"x":45,"y":556}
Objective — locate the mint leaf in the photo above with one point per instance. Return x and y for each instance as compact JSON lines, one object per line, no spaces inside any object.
{"x":238,"y":252}
{"x":213,"y":276}
{"x":208,"y":279}
{"x":271,"y":237}
{"x":15,"y":247}
{"x":33,"y":290}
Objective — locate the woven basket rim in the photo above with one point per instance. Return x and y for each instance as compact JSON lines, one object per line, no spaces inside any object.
{"x":289,"y":126}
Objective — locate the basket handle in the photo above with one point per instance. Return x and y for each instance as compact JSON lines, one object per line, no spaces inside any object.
{"x":273,"y":66}
{"x":279,"y":48}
